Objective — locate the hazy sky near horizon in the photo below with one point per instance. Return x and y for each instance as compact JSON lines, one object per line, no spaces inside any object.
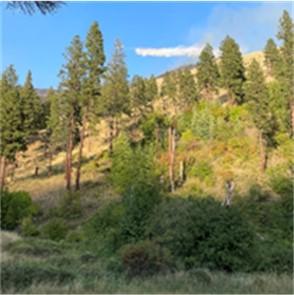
{"x":157,"y":36}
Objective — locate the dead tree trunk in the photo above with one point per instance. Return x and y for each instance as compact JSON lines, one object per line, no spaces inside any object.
{"x":182,"y":175}
{"x":80,"y":155}
{"x":111,"y":131}
{"x":69,"y":147}
{"x":171,"y":156}
{"x":263,"y":154}
{"x":2,"y":173}
{"x":229,"y":193}
{"x":36,"y":174}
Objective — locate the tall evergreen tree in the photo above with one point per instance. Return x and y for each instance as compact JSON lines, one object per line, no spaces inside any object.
{"x":115,"y":90}
{"x":12,"y":135}
{"x":272,"y":58}
{"x":258,"y":99}
{"x":31,"y":107}
{"x":71,"y":86}
{"x":286,"y":35}
{"x":89,"y":100}
{"x":207,"y":71}
{"x":187,"y":89}
{"x":232,"y":69}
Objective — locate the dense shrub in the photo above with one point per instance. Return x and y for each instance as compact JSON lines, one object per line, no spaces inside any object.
{"x":144,"y":258}
{"x":28,"y":228}
{"x":70,"y":206}
{"x":55,"y":229}
{"x":22,"y":274}
{"x":14,"y":207}
{"x":200,"y":232}
{"x":133,"y":174}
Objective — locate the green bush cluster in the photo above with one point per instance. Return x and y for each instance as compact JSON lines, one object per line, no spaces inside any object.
{"x":56,"y":229}
{"x":14,"y":207}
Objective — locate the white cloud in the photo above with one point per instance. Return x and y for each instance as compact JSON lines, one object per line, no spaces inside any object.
{"x":189,"y":51}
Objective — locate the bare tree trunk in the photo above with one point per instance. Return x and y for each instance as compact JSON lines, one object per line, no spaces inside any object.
{"x":69,"y":147}
{"x":2,"y":173}
{"x":182,"y":172}
{"x":171,"y":153}
{"x":80,"y":155}
{"x":263,"y":153}
{"x":36,"y":174}
{"x":229,"y":193}
{"x":111,"y":131}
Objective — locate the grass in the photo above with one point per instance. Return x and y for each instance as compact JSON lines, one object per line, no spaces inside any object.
{"x":38,"y":266}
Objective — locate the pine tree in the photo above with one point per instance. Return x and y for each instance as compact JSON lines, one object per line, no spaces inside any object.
{"x":258,"y":99}
{"x":286,"y":35}
{"x":31,"y":108}
{"x":151,"y":89}
{"x":71,"y":87}
{"x":272,"y":58}
{"x":207,"y":71}
{"x":232,"y":69}
{"x":12,"y":135}
{"x":187,"y":89}
{"x":115,"y":91}
{"x":89,"y":100}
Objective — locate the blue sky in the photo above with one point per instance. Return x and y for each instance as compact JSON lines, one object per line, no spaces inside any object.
{"x":157,"y":36}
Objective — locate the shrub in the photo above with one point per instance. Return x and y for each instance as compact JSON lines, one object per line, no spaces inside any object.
{"x":70,"y":206}
{"x":55,"y":229}
{"x":14,"y":207}
{"x":201,"y":233}
{"x":143,"y":258}
{"x":28,"y":228}
{"x":22,"y":274}
{"x":202,"y":170}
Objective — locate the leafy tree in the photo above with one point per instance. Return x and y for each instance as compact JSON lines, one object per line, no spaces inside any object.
{"x":207,"y":71}
{"x":272,"y":57}
{"x":286,"y":35}
{"x":12,"y":135}
{"x":89,"y":99}
{"x":138,"y":94}
{"x":71,"y":86}
{"x":257,"y":97}
{"x":115,"y":90}
{"x":232,"y":69}
{"x":31,"y":107}
{"x":151,"y":88}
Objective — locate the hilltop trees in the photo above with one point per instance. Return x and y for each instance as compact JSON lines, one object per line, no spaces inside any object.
{"x":12,"y":133}
{"x":272,"y":58}
{"x":91,"y":92}
{"x":232,"y":69}
{"x":72,"y":75}
{"x":115,"y":91}
{"x":256,"y":94}
{"x":207,"y":71}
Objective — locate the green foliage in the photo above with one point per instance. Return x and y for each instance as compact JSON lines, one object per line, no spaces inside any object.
{"x":144,"y":258}
{"x":56,"y":229}
{"x":14,"y":207}
{"x":272,"y":58}
{"x":133,"y":174}
{"x":21,"y":274}
{"x":232,"y":69}
{"x":203,"y":170}
{"x":28,"y":228}
{"x":12,"y":132}
{"x":201,"y":232}
{"x":207,"y":71}
{"x":70,"y":206}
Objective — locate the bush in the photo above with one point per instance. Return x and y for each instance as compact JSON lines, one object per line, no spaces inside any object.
{"x":144,"y":258}
{"x":70,"y":206}
{"x":202,"y":233}
{"x":22,"y":274}
{"x":55,"y":229}
{"x":28,"y":228}
{"x":14,"y":207}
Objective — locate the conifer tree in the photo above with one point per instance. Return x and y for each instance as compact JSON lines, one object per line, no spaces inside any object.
{"x":187,"y":89}
{"x":12,"y":135}
{"x":286,"y":35}
{"x":89,"y":100}
{"x":258,"y":99}
{"x":272,"y":58}
{"x":207,"y":71}
{"x":31,"y":108}
{"x":232,"y":69}
{"x":115,"y":91}
{"x":71,"y":86}
{"x":151,"y":88}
